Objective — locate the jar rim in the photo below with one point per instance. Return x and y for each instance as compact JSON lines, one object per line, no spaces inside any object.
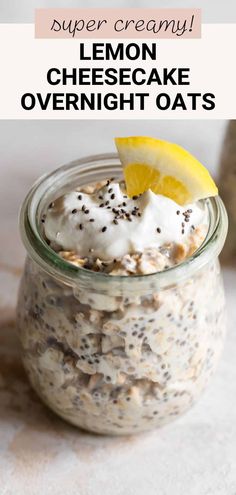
{"x":66,"y":272}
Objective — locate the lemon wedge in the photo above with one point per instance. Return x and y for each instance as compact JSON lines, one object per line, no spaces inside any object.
{"x":165,"y":168}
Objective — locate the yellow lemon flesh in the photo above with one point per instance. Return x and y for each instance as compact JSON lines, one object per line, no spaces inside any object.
{"x":165,"y":168}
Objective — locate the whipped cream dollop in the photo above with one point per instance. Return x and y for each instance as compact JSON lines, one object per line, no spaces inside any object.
{"x":107,"y":224}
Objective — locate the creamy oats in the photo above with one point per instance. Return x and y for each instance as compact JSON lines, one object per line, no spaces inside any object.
{"x":104,"y":230}
{"x":119,"y":363}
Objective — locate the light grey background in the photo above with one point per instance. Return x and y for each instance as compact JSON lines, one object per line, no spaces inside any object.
{"x":212,"y":10}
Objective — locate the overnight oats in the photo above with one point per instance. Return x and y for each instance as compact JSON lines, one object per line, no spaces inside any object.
{"x":121,"y":312}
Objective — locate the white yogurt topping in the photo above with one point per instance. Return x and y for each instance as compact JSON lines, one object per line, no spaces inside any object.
{"x":155,"y":221}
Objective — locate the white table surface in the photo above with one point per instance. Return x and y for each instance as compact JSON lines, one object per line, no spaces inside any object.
{"x":39,"y":453}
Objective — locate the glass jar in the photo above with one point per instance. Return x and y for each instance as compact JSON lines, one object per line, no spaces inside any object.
{"x":117,"y":354}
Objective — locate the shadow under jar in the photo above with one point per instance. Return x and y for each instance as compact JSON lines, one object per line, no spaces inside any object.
{"x":117,"y":354}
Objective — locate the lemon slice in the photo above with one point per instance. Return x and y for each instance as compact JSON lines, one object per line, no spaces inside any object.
{"x":165,"y":168}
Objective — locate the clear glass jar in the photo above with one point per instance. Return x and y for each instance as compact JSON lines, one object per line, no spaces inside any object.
{"x":117,"y":354}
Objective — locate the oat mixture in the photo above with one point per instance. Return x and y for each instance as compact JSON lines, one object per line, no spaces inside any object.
{"x":121,"y":363}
